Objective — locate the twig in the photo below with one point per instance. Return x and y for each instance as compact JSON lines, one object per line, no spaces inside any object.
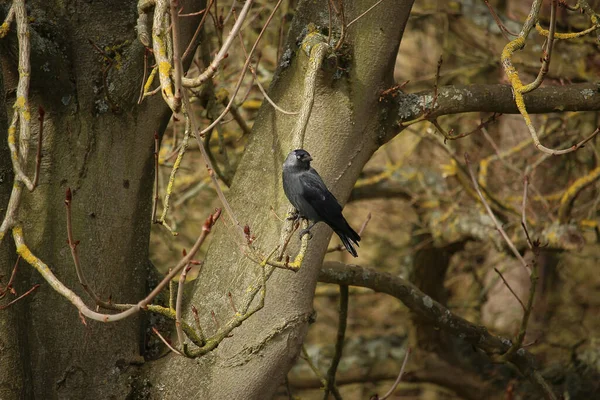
{"x":38,"y":156}
{"x":73,"y":246}
{"x":494,"y":219}
{"x":363,"y":14}
{"x":524,"y":208}
{"x":5,"y":27}
{"x":27,"y":293}
{"x":339,"y":345}
{"x":313,"y":367}
{"x":8,"y":288}
{"x":568,"y":198}
{"x":190,"y":46}
{"x":212,"y":68}
{"x":210,"y":168}
{"x":509,"y":288}
{"x":231,"y":303}
{"x":172,"y":291}
{"x":242,"y":73}
{"x":67,"y":293}
{"x":502,"y":27}
{"x":142,"y":86}
{"x":157,"y":333}
{"x":343,"y":24}
{"x":547,"y":52}
{"x":198,"y":326}
{"x":399,"y":378}
{"x":481,"y":127}
{"x":184,"y":145}
{"x":253,"y":71}
{"x":177,"y":65}
{"x":182,"y":278}
{"x":155,"y":200}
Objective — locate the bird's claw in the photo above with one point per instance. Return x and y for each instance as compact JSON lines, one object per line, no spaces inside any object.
{"x":306,"y":232}
{"x":293,"y":216}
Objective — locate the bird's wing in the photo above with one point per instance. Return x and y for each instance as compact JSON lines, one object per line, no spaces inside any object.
{"x":318,"y":196}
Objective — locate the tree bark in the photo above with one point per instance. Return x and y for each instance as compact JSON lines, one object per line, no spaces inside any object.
{"x":344,"y":130}
{"x":100,"y":145}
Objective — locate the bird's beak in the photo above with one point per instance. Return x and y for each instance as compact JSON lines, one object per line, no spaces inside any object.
{"x":308,"y":158}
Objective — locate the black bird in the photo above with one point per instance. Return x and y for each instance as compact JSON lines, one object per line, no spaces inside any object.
{"x":307,"y":192}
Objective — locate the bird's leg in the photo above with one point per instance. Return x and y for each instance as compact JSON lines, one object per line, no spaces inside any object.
{"x":307,"y":231}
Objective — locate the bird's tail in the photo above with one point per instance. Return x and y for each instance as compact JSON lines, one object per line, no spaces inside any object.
{"x":347,"y":238}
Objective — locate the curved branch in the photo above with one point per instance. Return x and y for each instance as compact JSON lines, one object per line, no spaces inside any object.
{"x":423,"y":305}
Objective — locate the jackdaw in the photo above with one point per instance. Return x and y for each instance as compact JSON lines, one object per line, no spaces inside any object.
{"x":307,"y":192}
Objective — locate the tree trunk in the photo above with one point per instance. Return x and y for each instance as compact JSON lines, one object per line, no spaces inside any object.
{"x":100,"y":145}
{"x":347,"y":124}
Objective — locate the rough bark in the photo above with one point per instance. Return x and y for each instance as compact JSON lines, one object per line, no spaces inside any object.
{"x":344,"y":130}
{"x":101,"y":147}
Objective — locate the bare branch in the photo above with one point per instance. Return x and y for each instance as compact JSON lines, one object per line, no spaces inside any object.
{"x":502,"y":232}
{"x":424,"y":306}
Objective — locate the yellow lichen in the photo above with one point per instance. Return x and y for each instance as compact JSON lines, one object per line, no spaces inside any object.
{"x":4,"y":28}
{"x":20,"y":102}
{"x":11,"y":135}
{"x":164,"y":68}
{"x":150,"y":80}
{"x":566,"y":36}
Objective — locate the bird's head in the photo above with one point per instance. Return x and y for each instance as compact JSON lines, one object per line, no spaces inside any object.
{"x":298,"y":159}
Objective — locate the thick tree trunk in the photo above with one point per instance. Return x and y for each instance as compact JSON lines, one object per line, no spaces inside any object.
{"x":346,"y":126}
{"x":100,"y":145}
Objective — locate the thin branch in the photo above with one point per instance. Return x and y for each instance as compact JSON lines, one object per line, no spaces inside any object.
{"x":38,"y":155}
{"x":157,"y":333}
{"x":161,"y":43}
{"x":503,"y":29}
{"x":221,"y":54}
{"x":178,"y":306}
{"x":190,"y":46}
{"x":9,"y":288}
{"x":313,"y":367}
{"x":363,"y":14}
{"x":524,"y":209}
{"x":198,"y":326}
{"x":399,"y":378}
{"x":155,"y":200}
{"x":342,"y":16}
{"x":27,"y":293}
{"x":177,"y":65}
{"x":339,"y":345}
{"x":73,"y":246}
{"x":242,"y":73}
{"x":499,"y":228}
{"x":547,"y":54}
{"x":67,"y":293}
{"x":5,"y":27}
{"x":509,"y":288}
{"x":568,"y":198}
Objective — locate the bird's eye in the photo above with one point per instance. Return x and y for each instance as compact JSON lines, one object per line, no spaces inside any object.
{"x":298,"y":157}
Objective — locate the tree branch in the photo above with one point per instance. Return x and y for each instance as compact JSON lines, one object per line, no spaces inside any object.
{"x":498,"y":98}
{"x":423,"y":305}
